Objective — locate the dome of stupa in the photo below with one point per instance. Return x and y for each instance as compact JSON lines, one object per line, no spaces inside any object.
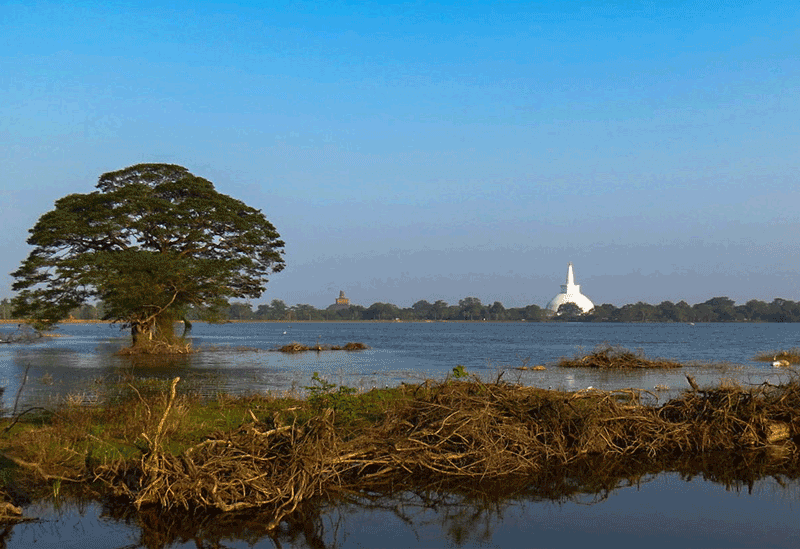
{"x":571,"y":293}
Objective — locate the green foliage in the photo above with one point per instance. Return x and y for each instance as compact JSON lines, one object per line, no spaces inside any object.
{"x":323,"y":395}
{"x":382,"y":311}
{"x":276,"y":310}
{"x":459,"y":372}
{"x":568,"y":312}
{"x":151,"y":242}
{"x":471,"y":308}
{"x":5,"y":309}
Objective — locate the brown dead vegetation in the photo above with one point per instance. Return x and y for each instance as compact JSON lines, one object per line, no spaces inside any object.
{"x":295,"y":347}
{"x":458,"y":432}
{"x":792,"y":356}
{"x":613,"y":357}
{"x":157,"y":347}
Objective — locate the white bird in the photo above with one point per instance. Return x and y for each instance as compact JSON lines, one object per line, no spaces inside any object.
{"x":782,"y":363}
{"x":284,"y":332}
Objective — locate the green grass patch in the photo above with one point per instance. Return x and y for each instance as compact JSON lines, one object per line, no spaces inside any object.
{"x":73,"y":439}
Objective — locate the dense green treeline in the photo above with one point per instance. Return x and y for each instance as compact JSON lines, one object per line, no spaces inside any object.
{"x":718,"y":309}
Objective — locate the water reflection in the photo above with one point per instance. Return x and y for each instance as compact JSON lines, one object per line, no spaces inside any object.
{"x":661,"y":510}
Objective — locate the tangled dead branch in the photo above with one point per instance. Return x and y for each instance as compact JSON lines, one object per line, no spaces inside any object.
{"x":457,"y":431}
{"x":158,"y":347}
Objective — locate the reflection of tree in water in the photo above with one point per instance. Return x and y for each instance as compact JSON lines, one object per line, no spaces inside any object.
{"x":465,"y":515}
{"x":461,"y":518}
{"x":161,"y":529}
{"x":5,"y":533}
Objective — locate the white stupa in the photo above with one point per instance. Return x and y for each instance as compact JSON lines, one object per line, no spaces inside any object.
{"x":571,"y":293}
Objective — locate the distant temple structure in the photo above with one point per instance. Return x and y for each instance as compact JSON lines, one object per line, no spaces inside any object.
{"x":571,"y":293}
{"x":341,"y":303}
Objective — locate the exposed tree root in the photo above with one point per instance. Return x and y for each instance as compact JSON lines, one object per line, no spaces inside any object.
{"x":463,"y":431}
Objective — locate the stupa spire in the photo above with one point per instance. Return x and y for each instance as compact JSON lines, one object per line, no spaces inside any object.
{"x":570,"y":293}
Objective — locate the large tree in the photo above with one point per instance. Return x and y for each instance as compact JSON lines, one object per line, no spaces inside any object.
{"x":152,"y":240}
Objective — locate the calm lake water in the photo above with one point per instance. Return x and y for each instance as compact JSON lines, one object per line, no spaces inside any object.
{"x":237,"y":357}
{"x":663,"y":511}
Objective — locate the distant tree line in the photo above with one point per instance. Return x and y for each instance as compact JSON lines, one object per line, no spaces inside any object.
{"x":717,"y":309}
{"x":469,"y":308}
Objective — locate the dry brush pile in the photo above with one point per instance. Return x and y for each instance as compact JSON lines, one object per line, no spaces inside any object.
{"x":457,"y":431}
{"x":295,"y":347}
{"x":611,"y":357}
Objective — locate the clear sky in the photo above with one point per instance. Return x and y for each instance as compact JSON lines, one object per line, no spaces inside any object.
{"x":421,"y":150}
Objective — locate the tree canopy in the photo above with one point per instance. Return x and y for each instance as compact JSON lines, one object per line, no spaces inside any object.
{"x":153,"y":240}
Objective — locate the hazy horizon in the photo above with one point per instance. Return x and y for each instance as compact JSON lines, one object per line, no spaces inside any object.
{"x":434,"y":151}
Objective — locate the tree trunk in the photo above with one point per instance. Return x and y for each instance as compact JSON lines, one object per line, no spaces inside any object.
{"x":141,"y":333}
{"x":158,"y":335}
{"x":165,"y":328}
{"x":187,"y":327}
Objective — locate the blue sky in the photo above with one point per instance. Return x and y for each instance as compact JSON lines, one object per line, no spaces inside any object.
{"x":423,"y":150}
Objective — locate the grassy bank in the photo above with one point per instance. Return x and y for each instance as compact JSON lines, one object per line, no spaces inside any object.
{"x":157,"y":447}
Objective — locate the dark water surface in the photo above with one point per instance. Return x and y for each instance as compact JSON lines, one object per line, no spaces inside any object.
{"x":664,"y":511}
